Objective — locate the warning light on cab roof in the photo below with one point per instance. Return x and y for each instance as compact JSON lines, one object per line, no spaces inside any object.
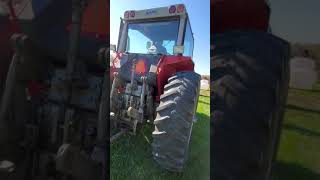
{"x":126,"y":14}
{"x":132,"y":14}
{"x":172,"y":9}
{"x":180,"y":8}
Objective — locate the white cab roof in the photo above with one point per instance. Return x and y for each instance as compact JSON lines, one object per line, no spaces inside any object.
{"x":168,"y":11}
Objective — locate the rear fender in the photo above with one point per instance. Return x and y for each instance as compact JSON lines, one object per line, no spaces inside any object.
{"x":169,"y":66}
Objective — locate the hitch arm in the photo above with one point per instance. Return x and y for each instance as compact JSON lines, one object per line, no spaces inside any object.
{"x":78,"y":7}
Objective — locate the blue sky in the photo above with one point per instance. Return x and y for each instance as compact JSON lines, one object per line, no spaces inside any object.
{"x":199,"y":14}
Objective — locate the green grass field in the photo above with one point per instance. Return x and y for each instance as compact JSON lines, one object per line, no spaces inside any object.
{"x":299,"y":154}
{"x":131,"y":156}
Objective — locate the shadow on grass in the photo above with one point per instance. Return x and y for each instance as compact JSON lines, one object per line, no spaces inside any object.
{"x":204,"y":93}
{"x":131,"y":157}
{"x":301,"y":130}
{"x":308,"y":90}
{"x":202,"y":116}
{"x":291,"y":171}
{"x":204,"y":102}
{"x":294,"y":107}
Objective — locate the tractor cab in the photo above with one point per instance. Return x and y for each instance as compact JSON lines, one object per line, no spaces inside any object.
{"x":154,"y":36}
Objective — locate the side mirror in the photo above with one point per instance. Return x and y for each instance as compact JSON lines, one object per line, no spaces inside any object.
{"x":178,"y":50}
{"x":149,"y":43}
{"x":113,"y":47}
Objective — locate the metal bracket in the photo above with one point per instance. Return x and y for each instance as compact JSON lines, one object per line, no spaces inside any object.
{"x":134,"y":113}
{"x":135,"y":122}
{"x":67,"y":123}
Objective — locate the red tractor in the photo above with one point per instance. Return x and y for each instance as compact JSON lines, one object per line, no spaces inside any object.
{"x":54,"y":106}
{"x":154,"y":81}
{"x":249,"y":84}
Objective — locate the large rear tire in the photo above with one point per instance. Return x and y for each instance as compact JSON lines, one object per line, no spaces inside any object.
{"x":250,"y":75}
{"x":174,"y":120}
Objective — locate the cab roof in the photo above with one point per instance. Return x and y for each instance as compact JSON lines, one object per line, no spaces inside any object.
{"x":162,"y":12}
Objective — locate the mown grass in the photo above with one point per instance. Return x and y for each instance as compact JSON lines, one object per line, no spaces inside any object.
{"x":131,"y":156}
{"x":299,"y":153}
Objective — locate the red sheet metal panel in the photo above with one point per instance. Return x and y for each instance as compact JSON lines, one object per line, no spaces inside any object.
{"x":239,"y":15}
{"x":96,"y":18}
{"x":168,"y":66}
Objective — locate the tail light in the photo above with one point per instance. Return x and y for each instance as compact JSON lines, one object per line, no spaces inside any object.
{"x":132,"y":14}
{"x":141,"y":67}
{"x":172,"y":9}
{"x":126,"y":14}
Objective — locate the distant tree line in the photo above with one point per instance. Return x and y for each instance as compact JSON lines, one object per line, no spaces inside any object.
{"x":205,"y":77}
